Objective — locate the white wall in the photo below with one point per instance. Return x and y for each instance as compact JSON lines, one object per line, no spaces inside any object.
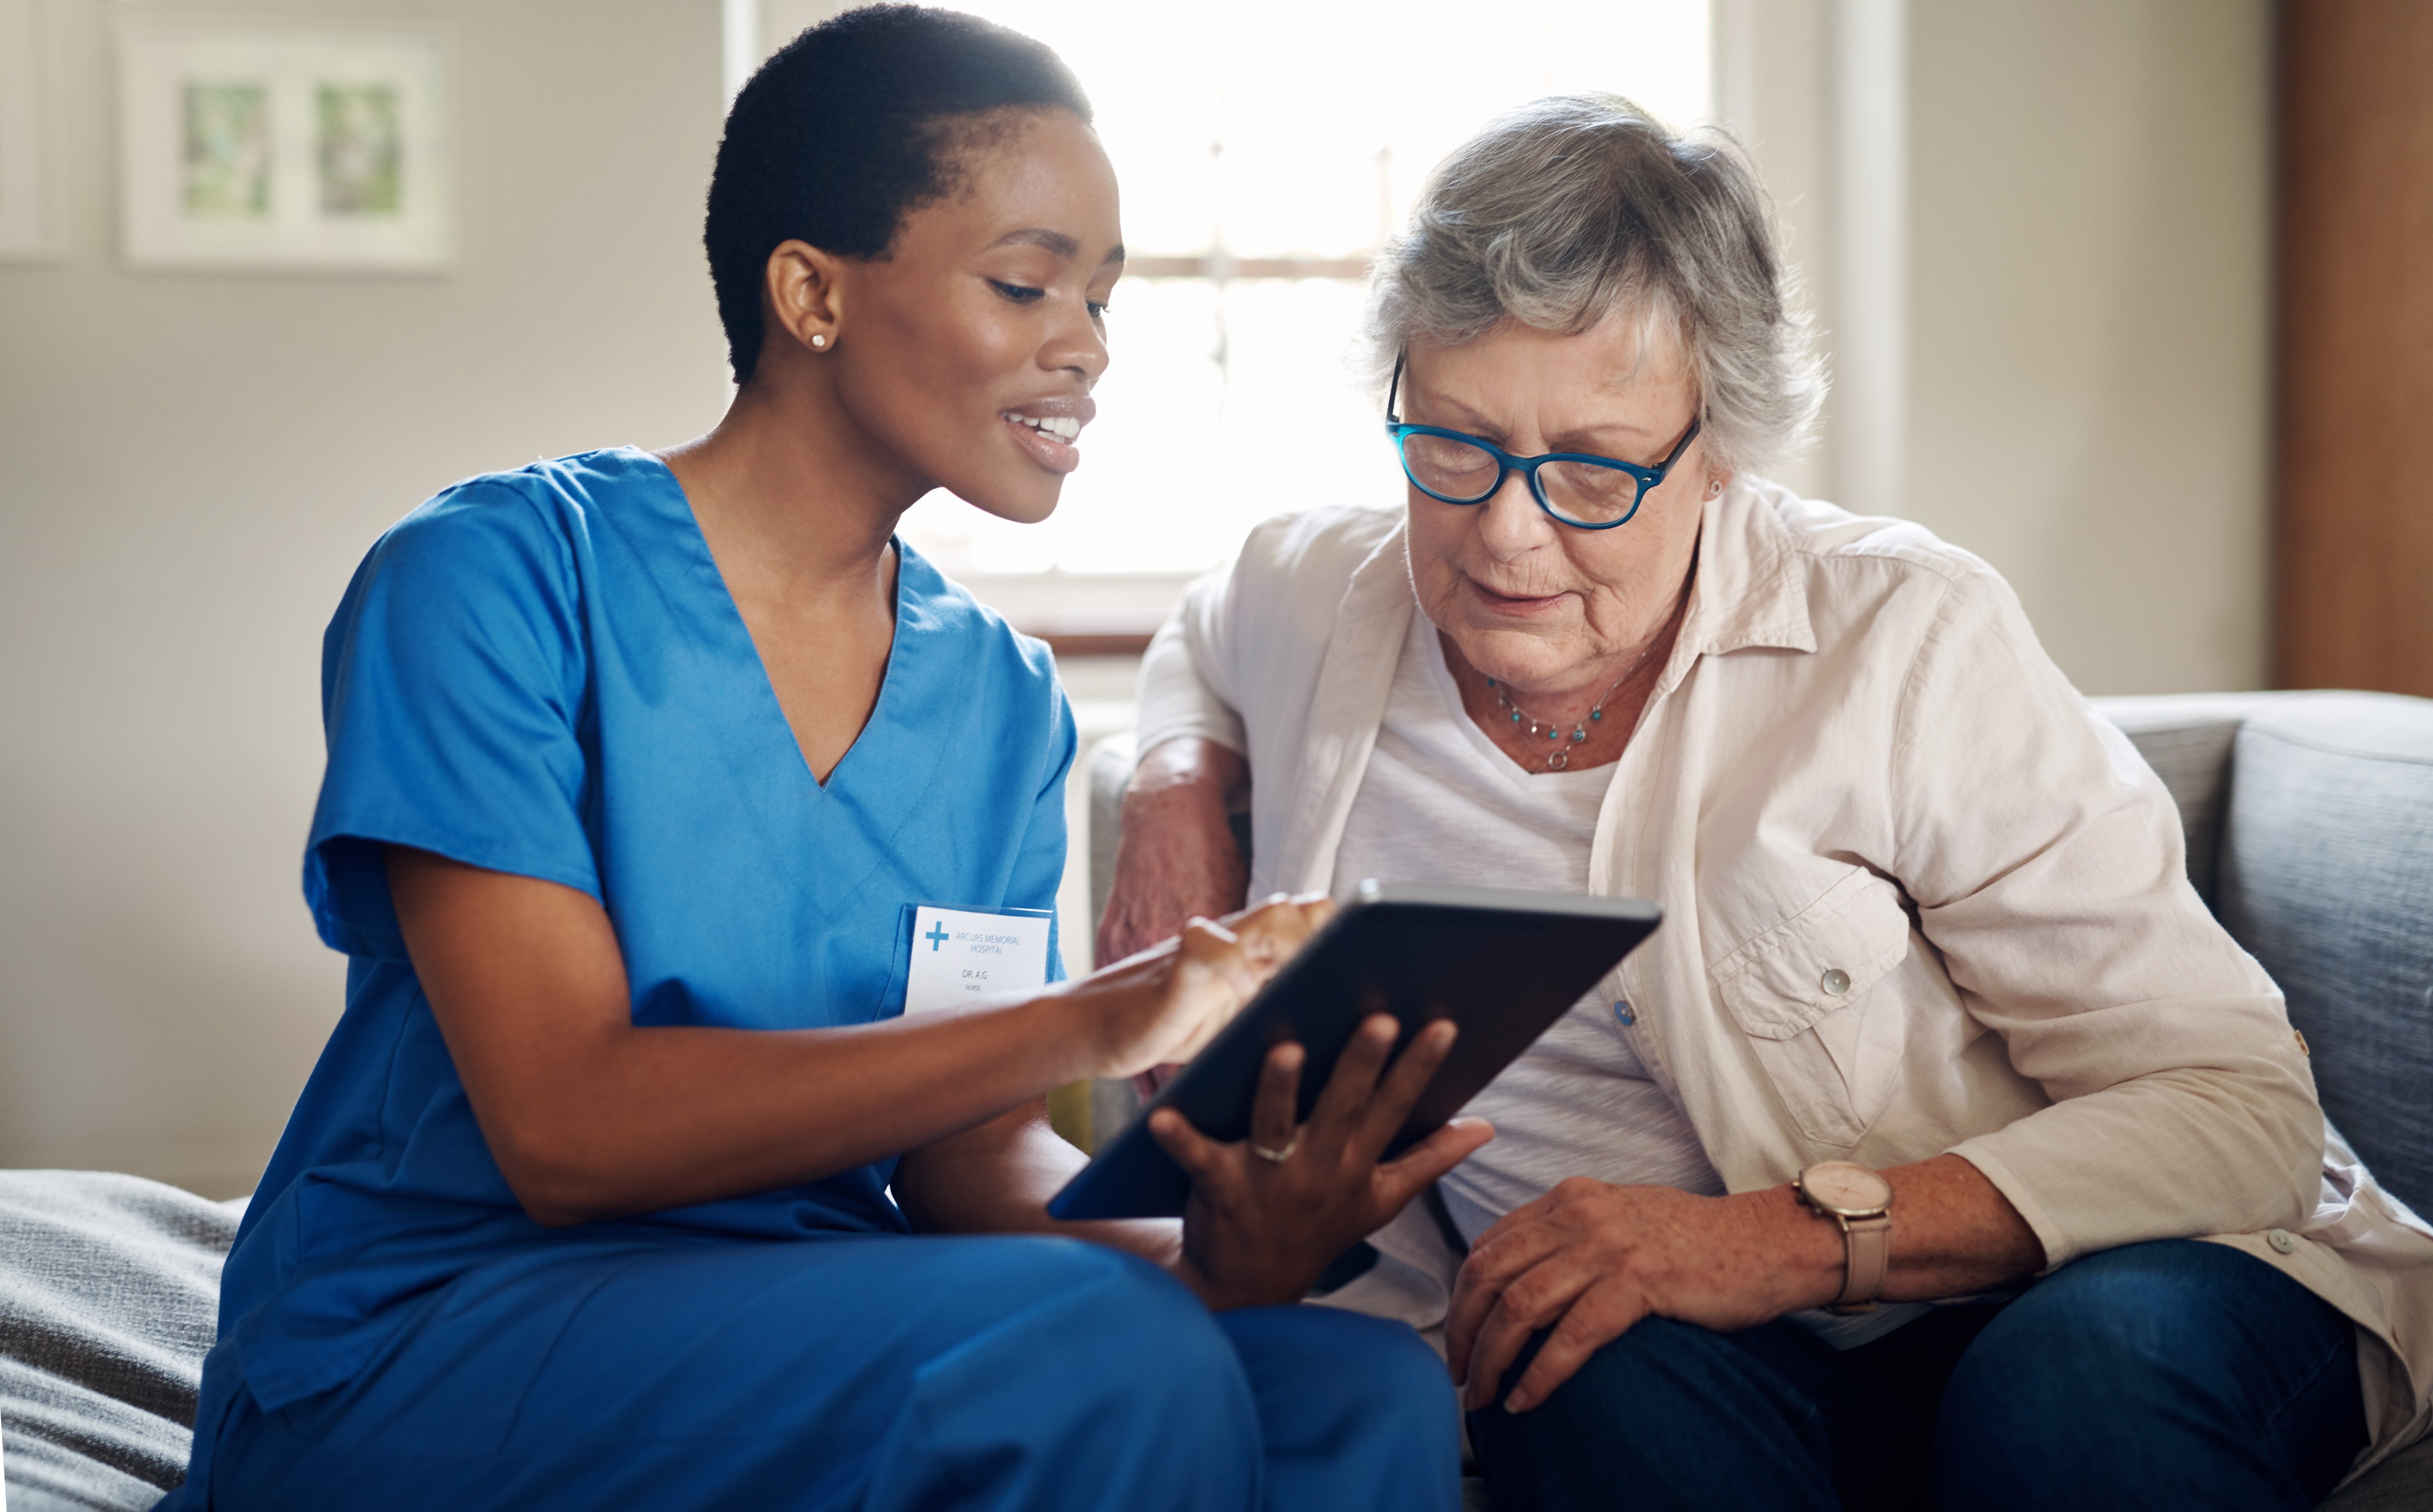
{"x":190,"y":467}
{"x":2074,"y":386}
{"x":2090,"y":193}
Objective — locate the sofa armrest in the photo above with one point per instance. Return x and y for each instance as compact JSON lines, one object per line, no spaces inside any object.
{"x":1111,"y":771}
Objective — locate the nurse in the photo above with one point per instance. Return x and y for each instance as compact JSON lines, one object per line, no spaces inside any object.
{"x":625,"y":1180}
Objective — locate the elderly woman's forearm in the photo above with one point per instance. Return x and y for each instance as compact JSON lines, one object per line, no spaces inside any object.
{"x":1191,"y":762}
{"x":1954,"y":1234}
{"x":1177,"y":856}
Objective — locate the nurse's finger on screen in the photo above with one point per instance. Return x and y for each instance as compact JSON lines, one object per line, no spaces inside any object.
{"x":1273,"y":1110}
{"x":1316,"y":910}
{"x":1292,"y":918}
{"x":1209,"y":944}
{"x":1271,"y":932}
{"x":1207,"y":928}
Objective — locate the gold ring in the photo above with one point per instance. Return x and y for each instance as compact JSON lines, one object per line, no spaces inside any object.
{"x":1278,"y":1156}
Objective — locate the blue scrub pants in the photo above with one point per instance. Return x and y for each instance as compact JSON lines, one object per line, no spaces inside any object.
{"x":876,"y":1373}
{"x":2171,"y":1374}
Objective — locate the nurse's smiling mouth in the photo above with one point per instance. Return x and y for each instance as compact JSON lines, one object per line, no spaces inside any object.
{"x":1046,"y":428}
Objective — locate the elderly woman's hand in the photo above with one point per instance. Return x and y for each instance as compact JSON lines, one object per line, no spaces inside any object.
{"x":1589,"y":1260}
{"x":1259,"y":1229}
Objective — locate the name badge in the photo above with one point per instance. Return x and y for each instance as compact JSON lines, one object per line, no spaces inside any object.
{"x":961,"y":954}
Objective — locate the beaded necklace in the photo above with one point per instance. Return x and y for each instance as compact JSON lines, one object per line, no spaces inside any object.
{"x":1560,"y":757}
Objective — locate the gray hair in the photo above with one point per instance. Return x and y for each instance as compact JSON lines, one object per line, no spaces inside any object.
{"x":1572,"y":209}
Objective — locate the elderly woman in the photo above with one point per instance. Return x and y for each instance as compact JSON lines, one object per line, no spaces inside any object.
{"x":1880,"y":1173}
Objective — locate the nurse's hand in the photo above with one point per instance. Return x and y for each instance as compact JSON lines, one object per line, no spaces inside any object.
{"x":1259,"y":1229}
{"x":1166,"y":1003}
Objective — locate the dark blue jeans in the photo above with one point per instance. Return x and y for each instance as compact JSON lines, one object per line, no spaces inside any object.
{"x":2173,"y":1374}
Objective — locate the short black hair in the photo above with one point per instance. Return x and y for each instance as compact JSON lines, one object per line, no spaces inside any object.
{"x":848,"y":128}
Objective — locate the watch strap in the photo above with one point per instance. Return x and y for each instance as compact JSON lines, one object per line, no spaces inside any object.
{"x":1869,"y":1244}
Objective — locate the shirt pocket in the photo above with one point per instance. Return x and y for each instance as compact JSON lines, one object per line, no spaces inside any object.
{"x":1802,"y":991}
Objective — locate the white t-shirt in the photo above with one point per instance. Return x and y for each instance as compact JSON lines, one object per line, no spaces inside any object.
{"x":1440,"y":803}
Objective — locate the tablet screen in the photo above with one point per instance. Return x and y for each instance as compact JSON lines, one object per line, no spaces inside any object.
{"x":1503,"y":965}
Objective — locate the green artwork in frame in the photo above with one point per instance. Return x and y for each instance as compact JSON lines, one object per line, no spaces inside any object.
{"x":259,"y":145}
{"x":360,"y":150}
{"x":228,"y":151}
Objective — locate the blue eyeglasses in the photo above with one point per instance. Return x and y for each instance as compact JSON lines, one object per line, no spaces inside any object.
{"x":1576,"y":489}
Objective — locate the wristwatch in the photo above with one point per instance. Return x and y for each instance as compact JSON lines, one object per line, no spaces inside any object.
{"x":1862,"y":1203}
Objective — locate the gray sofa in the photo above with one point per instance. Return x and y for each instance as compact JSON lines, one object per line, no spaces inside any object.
{"x":2309,"y":823}
{"x":2311,"y":832}
{"x":109,"y":1290}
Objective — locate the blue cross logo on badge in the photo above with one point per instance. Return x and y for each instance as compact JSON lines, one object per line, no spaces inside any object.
{"x":937,"y":937}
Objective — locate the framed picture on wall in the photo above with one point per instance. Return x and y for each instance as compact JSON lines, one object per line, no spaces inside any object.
{"x":247,"y":146}
{"x":30,"y":222}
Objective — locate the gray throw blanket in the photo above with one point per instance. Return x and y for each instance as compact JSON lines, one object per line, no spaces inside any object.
{"x":109,"y":1299}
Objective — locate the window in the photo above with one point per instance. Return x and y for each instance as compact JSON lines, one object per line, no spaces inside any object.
{"x":1264,"y":147}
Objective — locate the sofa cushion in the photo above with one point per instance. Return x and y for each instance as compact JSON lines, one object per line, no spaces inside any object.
{"x":2403,"y":1483}
{"x":109,"y":1300}
{"x":1111,"y":763}
{"x":2326,"y":874}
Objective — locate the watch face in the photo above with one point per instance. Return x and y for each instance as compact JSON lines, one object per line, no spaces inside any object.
{"x":1839,"y":1187}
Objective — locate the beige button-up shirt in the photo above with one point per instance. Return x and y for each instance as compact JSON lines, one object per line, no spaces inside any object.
{"x":1918,"y":897}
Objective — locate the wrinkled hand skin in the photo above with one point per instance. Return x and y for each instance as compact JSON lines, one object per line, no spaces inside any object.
{"x":1258,"y":1231}
{"x":1589,"y":1260}
{"x":1177,"y":859}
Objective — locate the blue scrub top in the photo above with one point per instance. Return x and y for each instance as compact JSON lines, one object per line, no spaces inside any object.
{"x":541,"y":673}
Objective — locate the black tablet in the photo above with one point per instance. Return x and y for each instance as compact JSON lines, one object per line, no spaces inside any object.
{"x":1503,"y":965}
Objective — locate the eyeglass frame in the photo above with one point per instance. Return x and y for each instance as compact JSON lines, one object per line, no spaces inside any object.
{"x":1398,"y":430}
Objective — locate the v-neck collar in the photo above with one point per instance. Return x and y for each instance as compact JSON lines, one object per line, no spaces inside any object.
{"x":721,"y":618}
{"x":896,"y":753}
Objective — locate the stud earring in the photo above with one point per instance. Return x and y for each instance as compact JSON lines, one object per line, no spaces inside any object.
{"x":819,"y":338}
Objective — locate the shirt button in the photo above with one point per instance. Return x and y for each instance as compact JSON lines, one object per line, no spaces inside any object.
{"x":1835,"y":981}
{"x":2280,"y":1239}
{"x":1622,"y":1011}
